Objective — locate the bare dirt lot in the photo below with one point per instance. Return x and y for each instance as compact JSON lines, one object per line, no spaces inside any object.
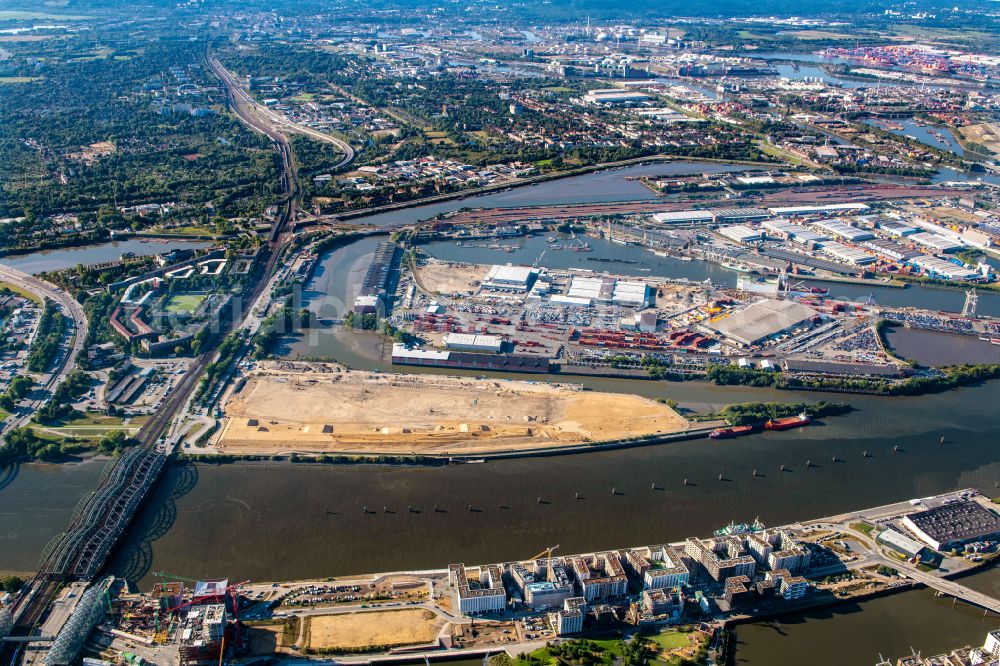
{"x":450,"y":278}
{"x":278,"y":411}
{"x":986,"y":134}
{"x":376,"y":628}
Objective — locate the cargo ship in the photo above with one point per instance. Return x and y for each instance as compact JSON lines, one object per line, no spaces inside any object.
{"x":788,"y":422}
{"x":735,"y":431}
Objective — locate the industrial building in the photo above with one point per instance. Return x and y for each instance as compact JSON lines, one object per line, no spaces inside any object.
{"x":941,"y":268}
{"x":741,"y":233}
{"x":891,"y":249}
{"x":472,"y":342}
{"x":762,"y":320}
{"x":403,"y":355}
{"x":897,"y":230}
{"x":510,"y":278}
{"x":378,"y":277}
{"x":683,"y":216}
{"x":935,"y":242}
{"x":849,"y":255}
{"x":615,"y":96}
{"x":900,"y":543}
{"x":624,"y":293}
{"x":839,"y":229}
{"x":953,"y":524}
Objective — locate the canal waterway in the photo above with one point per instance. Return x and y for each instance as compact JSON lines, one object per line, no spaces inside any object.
{"x":943,"y":140}
{"x":936,"y":348}
{"x":859,"y":633}
{"x":57,"y":260}
{"x":337,"y":278}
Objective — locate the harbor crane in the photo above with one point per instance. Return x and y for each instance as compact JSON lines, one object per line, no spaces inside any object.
{"x":549,"y":576}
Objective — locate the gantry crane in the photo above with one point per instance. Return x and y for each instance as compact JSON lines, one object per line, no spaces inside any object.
{"x":549,"y":576}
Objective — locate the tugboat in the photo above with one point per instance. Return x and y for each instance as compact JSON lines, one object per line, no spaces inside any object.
{"x":727,"y":433}
{"x":788,"y":422}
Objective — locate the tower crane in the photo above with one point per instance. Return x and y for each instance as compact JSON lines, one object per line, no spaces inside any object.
{"x":549,"y":575}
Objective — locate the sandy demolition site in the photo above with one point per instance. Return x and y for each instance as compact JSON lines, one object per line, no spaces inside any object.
{"x":323,"y":408}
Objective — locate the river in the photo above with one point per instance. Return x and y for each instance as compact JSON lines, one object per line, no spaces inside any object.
{"x":36,"y":502}
{"x":280,"y":520}
{"x":57,"y":260}
{"x":600,"y":186}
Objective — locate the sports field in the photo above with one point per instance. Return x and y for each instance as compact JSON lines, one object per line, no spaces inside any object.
{"x":183,"y":303}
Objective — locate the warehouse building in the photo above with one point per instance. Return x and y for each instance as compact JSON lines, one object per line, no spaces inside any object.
{"x":890,"y":249}
{"x":470,"y":342}
{"x":897,"y":230}
{"x":900,"y":543}
{"x":821,"y":208}
{"x":683,"y":217}
{"x":762,"y":320}
{"x":935,"y":242}
{"x":849,"y":255}
{"x":615,"y":96}
{"x":510,"y":278}
{"x":937,"y":267}
{"x":953,"y":524}
{"x":806,"y":365}
{"x":631,"y":294}
{"x":838,"y":229}
{"x":741,"y":233}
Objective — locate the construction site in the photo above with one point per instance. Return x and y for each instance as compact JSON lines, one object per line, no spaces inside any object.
{"x":285,"y":407}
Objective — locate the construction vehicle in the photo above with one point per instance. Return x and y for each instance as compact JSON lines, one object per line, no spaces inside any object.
{"x":549,"y":575}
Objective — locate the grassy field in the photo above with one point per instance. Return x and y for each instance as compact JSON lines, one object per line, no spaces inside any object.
{"x":189,"y":230}
{"x":671,"y":640}
{"x":183,"y":303}
{"x":4,"y":414}
{"x":304,"y":97}
{"x":815,"y":34}
{"x":19,"y":15}
{"x":21,"y":292}
{"x":864,"y":528}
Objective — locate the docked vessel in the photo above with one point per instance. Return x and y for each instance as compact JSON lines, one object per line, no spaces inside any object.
{"x":727,"y":433}
{"x":788,"y":422}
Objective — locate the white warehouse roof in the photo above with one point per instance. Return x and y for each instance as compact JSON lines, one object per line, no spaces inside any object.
{"x":740,"y":233}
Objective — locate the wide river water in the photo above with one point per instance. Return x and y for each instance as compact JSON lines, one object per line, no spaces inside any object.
{"x":277,"y":521}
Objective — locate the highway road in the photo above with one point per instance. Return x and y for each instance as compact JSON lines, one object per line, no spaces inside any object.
{"x":67,"y":359}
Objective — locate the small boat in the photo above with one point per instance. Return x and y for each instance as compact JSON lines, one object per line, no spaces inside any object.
{"x":728,"y":433}
{"x":550,"y":239}
{"x":788,"y":422}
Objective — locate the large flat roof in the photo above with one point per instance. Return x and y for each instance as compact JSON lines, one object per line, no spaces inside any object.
{"x":961,"y":521}
{"x":762,"y":320}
